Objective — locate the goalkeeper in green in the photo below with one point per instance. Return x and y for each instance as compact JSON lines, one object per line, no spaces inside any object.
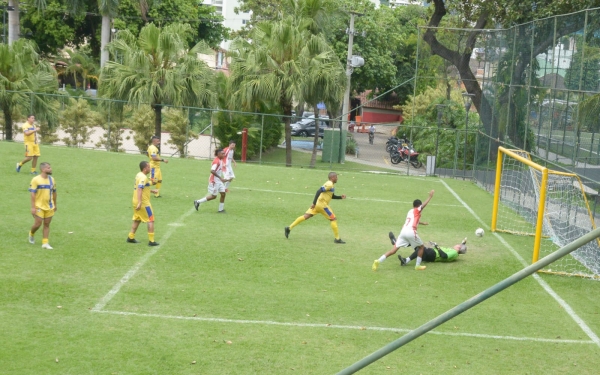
{"x":435,"y":253}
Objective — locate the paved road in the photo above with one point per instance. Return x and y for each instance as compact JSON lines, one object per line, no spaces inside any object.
{"x":376,"y":155}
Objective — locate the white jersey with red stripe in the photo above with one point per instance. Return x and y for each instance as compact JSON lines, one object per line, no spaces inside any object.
{"x":412,"y":220}
{"x":217,"y":166}
{"x":227,"y":161}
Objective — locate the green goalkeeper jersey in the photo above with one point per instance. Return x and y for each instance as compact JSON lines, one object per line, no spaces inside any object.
{"x":452,"y":254}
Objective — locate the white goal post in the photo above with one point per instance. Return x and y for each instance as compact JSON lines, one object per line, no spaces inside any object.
{"x":550,"y":206}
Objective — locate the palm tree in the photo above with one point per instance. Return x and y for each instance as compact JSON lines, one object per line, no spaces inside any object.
{"x":157,"y":70}
{"x":325,"y":81}
{"x":81,"y":64}
{"x":273,"y":66}
{"x":24,"y":78}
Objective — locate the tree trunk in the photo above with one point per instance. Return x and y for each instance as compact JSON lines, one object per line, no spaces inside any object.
{"x":8,"y":123}
{"x":286,"y":105}
{"x":157,"y":119}
{"x":14,"y":24}
{"x":313,"y":157}
{"x":104,"y":40}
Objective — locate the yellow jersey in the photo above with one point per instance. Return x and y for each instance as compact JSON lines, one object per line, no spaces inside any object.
{"x":142,"y":181}
{"x":43,"y":189}
{"x":31,"y":138}
{"x":326,"y":194}
{"x":153,"y":151}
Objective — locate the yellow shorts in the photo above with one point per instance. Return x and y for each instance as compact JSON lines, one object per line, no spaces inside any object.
{"x":323,"y":210}
{"x":156,"y":174}
{"x":44,"y":214}
{"x":144,"y":214}
{"x":32,"y":149}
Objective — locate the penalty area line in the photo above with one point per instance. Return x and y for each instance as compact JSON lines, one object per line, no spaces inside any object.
{"x":140,"y":263}
{"x":584,"y":327}
{"x":337,"y":326}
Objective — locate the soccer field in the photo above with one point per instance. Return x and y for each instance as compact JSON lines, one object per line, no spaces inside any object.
{"x":229,"y":294}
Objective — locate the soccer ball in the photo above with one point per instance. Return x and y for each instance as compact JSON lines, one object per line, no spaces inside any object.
{"x":479,"y":232}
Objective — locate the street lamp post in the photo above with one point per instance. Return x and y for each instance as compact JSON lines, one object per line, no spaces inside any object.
{"x":468,"y":100}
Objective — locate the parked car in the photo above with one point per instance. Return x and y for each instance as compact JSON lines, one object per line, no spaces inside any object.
{"x":306,"y":127}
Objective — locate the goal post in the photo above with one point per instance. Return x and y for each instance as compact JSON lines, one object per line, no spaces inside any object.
{"x":540,"y":204}
{"x":548,"y":205}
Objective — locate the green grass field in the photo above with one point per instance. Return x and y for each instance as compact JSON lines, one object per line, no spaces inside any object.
{"x":229,"y":294}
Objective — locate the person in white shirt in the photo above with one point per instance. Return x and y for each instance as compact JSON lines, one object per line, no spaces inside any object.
{"x":229,"y":163}
{"x":408,"y":235}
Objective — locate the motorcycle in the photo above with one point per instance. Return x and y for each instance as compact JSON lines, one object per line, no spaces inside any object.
{"x":371,"y":137}
{"x":406,"y":152}
{"x":393,"y":143}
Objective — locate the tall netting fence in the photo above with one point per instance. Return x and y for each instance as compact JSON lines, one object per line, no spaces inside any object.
{"x":536,"y":88}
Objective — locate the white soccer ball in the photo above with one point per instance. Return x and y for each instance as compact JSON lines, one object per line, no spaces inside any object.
{"x":479,"y":232}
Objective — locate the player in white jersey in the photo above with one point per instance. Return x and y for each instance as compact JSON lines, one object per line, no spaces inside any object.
{"x":229,"y":162}
{"x":408,"y":235}
{"x":216,"y":182}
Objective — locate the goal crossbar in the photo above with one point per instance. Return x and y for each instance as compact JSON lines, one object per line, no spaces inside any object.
{"x":551,"y":206}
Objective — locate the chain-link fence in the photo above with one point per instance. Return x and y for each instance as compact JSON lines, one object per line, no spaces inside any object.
{"x":537,"y":88}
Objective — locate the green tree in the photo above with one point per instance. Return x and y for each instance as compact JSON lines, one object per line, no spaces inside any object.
{"x":273,"y":65}
{"x":477,"y":15}
{"x":77,"y":120}
{"x":178,"y":125}
{"x":157,"y":69}
{"x":141,"y":124}
{"x":24,"y":78}
{"x":206,"y":24}
{"x":53,"y":27}
{"x":584,"y":77}
{"x":81,"y":65}
{"x":325,"y":82}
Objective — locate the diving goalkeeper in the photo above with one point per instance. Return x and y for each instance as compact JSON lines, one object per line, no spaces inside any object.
{"x":435,"y":253}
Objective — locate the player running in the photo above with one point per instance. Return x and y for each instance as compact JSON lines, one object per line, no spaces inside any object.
{"x":215,"y":182}
{"x":320,"y":205}
{"x":32,"y":147}
{"x":408,"y":235}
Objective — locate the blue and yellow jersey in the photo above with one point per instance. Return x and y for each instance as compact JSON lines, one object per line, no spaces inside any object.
{"x":326,"y":194}
{"x":142,"y":181}
{"x":31,"y":138}
{"x":153,"y":151}
{"x":43,"y":189}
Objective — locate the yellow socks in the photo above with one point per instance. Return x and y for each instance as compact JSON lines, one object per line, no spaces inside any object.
{"x":131,"y":235}
{"x":334,"y":226}
{"x":44,"y":241}
{"x":151,"y":237}
{"x":297,"y":221}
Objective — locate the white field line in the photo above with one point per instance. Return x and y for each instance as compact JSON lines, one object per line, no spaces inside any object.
{"x":337,"y":326}
{"x":356,"y":199}
{"x":588,"y":331}
{"x":153,"y":250}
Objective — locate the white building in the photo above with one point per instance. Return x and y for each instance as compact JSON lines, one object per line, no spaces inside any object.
{"x":232,"y":21}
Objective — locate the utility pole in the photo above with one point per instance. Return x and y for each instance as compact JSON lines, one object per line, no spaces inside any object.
{"x":351,"y":63}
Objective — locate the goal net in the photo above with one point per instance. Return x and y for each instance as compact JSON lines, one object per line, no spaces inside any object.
{"x":549,"y":206}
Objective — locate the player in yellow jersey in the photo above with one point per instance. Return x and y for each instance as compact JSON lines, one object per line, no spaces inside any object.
{"x":155,"y":160}
{"x":320,"y":205}
{"x":32,"y":148}
{"x":142,"y":209}
{"x":43,"y":203}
